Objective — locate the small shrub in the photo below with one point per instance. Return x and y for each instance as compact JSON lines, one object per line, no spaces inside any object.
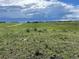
{"x":27,"y":30}
{"x":35,"y":29}
{"x":40,"y":31}
{"x":37,"y":53}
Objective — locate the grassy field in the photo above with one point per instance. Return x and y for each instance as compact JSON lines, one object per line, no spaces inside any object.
{"x":50,"y":40}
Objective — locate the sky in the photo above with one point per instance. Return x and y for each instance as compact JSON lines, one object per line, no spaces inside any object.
{"x":39,"y":10}
{"x":73,"y":2}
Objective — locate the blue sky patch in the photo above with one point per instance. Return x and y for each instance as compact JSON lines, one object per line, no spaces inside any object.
{"x":73,"y":2}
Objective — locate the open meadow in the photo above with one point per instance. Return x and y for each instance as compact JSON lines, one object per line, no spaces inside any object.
{"x":48,"y":40}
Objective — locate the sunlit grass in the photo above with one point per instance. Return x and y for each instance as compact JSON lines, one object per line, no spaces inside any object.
{"x":39,"y":40}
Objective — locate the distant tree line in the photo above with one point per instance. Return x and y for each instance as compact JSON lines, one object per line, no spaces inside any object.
{"x":20,"y":22}
{"x":2,"y":22}
{"x":34,"y":21}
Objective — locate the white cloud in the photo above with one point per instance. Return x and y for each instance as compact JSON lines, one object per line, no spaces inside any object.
{"x":46,"y":8}
{"x":73,"y":13}
{"x":24,"y":2}
{"x":37,"y":3}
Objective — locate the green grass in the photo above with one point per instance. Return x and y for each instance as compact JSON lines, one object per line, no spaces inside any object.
{"x":39,"y":40}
